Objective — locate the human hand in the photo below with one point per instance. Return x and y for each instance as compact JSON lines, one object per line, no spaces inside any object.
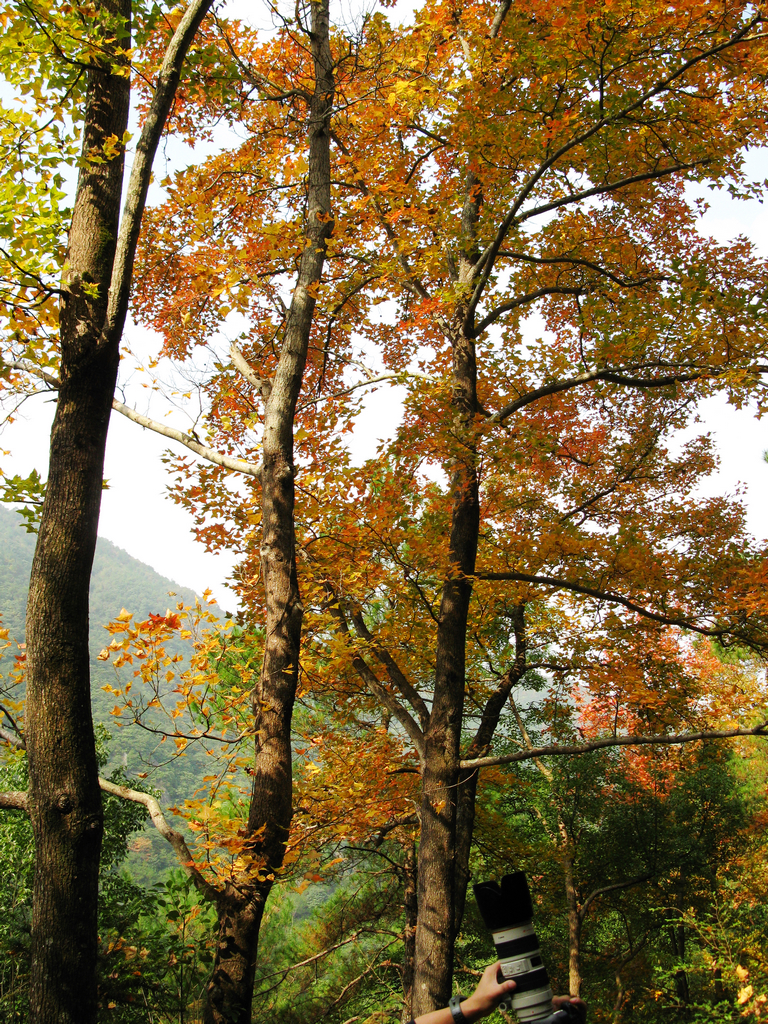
{"x":488,"y":994}
{"x":580,"y":1005}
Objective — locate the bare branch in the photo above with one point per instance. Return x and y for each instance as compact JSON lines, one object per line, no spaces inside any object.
{"x":180,"y":848}
{"x":262,"y":385}
{"x":12,"y":739}
{"x":34,"y":371}
{"x":668,"y":739}
{"x":14,"y":800}
{"x":235,"y":465}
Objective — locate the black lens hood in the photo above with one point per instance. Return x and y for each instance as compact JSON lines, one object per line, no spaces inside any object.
{"x":504,"y":906}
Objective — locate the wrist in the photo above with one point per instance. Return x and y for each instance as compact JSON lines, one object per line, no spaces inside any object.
{"x":473,"y":1010}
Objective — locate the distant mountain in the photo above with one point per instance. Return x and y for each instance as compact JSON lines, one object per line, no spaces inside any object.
{"x":118,"y":581}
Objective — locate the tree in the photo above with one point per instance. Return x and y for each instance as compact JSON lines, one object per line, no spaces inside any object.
{"x":494,"y":118}
{"x":81,"y":68}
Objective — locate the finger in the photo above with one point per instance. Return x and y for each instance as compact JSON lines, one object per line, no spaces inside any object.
{"x":559,"y":1001}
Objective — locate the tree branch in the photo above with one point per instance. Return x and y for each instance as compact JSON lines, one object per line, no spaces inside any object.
{"x":12,"y":739}
{"x":141,"y":171}
{"x":523,"y":300}
{"x":556,"y":750}
{"x":262,"y":384}
{"x":609,"y":888}
{"x":368,"y":676}
{"x":488,"y":258}
{"x":605,"y":595}
{"x":617,"y":376}
{"x":180,"y":848}
{"x":495,"y":703}
{"x":14,"y":800}
{"x":396,"y":675}
{"x":235,"y":465}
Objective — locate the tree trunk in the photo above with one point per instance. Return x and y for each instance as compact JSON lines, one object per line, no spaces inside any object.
{"x":230,"y":991}
{"x":409,"y":943}
{"x":677,"y":937}
{"x":64,"y":796}
{"x":436,"y":926}
{"x":436,"y":930}
{"x":574,"y":927}
{"x":468,"y":778}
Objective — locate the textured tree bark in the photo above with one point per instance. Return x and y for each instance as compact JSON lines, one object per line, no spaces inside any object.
{"x":435,"y":931}
{"x":230,"y":991}
{"x":64,"y":796}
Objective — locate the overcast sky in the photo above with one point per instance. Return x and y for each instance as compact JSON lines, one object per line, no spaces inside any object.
{"x":137,"y":517}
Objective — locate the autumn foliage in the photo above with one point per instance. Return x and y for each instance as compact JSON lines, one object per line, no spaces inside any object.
{"x":493,"y":212}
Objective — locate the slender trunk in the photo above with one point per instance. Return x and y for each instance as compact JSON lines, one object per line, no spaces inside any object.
{"x":717,"y":978}
{"x":619,"y":1001}
{"x":409,"y":944}
{"x":574,"y":926}
{"x":230,"y":990}
{"x":64,"y":795}
{"x":677,"y":937}
{"x":468,"y":779}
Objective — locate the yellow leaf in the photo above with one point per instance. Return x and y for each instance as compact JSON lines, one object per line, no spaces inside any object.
{"x":745,"y":994}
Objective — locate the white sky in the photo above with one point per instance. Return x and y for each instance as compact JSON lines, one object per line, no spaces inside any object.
{"x":138,"y":518}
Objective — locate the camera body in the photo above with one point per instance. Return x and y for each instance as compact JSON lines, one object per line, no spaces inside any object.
{"x":507,"y":910}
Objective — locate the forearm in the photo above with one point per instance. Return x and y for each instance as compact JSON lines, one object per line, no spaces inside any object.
{"x":444,"y":1016}
{"x":486,"y":997}
{"x":483,"y":1000}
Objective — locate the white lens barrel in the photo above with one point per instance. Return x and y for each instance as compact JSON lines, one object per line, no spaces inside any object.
{"x":520,"y":958}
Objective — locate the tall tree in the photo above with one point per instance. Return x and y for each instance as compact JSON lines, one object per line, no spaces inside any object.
{"x":72,"y":47}
{"x":270,"y":372}
{"x":241,"y":905}
{"x":528,"y":157}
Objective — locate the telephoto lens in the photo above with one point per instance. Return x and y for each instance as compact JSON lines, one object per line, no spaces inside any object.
{"x":507,"y":911}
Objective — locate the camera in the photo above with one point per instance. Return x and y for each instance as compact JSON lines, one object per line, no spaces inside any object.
{"x":507,"y":911}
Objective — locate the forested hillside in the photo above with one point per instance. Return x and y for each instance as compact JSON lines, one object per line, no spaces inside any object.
{"x":118,"y":581}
